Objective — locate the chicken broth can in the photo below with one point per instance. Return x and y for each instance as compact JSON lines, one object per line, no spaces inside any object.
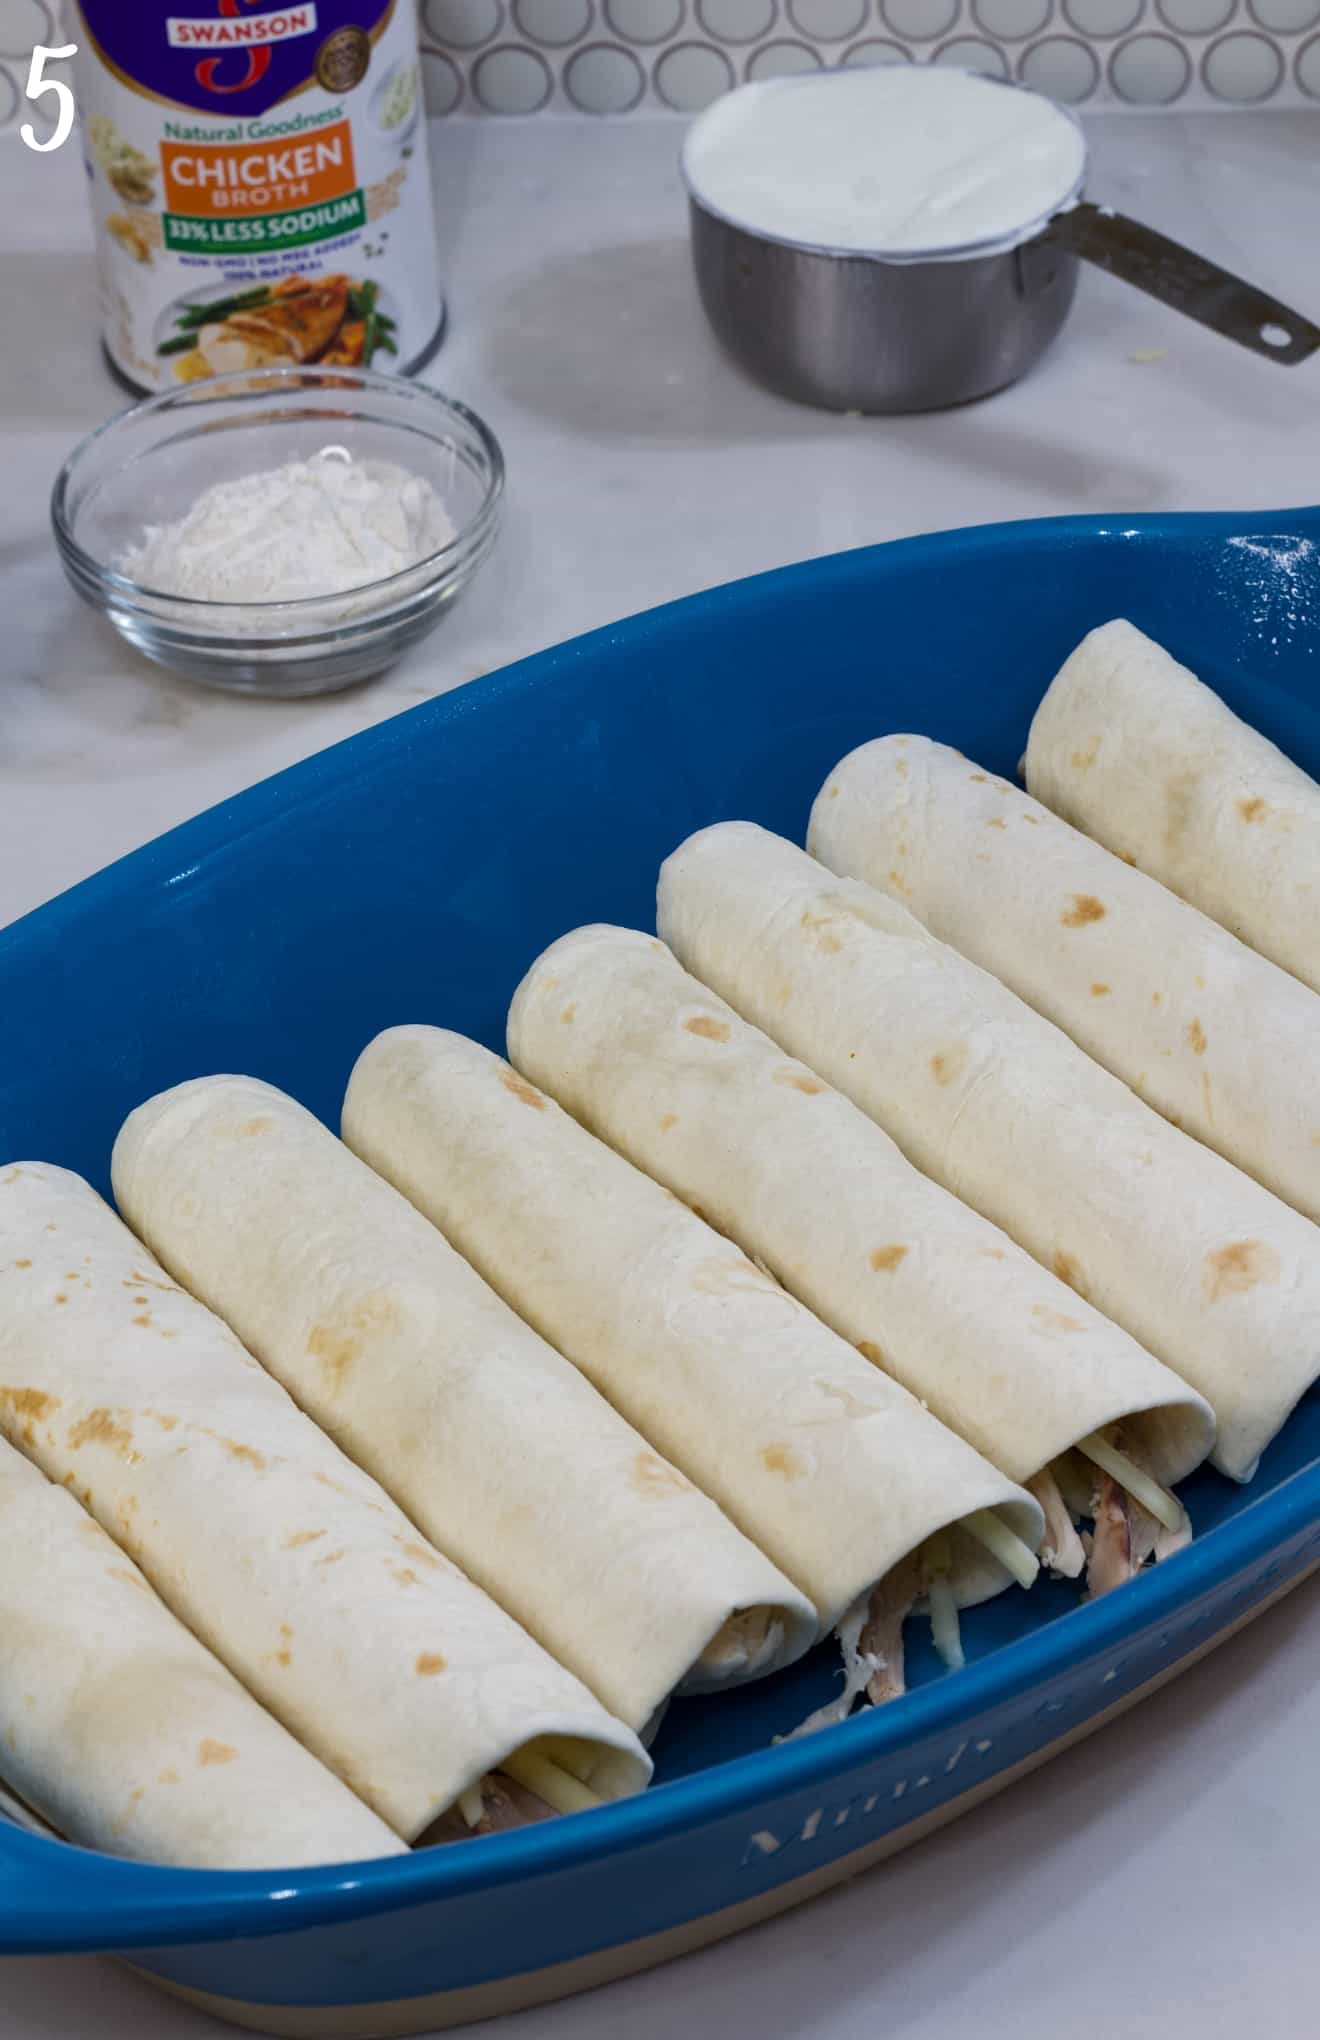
{"x":260,"y":185}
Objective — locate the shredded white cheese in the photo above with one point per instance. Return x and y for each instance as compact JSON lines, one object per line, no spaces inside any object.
{"x":311,"y":528}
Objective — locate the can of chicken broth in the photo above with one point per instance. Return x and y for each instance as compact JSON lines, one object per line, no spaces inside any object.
{"x":260,"y":185}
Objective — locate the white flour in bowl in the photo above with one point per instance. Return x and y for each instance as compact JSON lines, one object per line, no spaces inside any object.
{"x":898,"y":160}
{"x":310,"y":528}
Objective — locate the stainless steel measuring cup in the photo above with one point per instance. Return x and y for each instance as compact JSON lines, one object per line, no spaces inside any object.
{"x":856,"y":331}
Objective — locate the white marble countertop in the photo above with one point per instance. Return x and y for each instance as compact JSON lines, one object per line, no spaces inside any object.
{"x":1162,"y":1878}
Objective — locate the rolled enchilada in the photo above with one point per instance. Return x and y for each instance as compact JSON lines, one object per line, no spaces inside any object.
{"x":1000,"y":1351}
{"x":495,"y":1444}
{"x":1215,"y":1037}
{"x":1205,"y":1269}
{"x":124,"y":1732}
{"x":281,"y":1555}
{"x":1132,"y":748}
{"x":834,"y":1470}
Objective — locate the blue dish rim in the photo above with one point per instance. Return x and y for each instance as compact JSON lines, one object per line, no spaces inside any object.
{"x":131,"y":1905}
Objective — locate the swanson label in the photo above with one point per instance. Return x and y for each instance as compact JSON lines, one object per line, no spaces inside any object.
{"x":260,"y":185}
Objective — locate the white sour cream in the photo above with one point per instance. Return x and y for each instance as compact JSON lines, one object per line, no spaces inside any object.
{"x":898,"y":160}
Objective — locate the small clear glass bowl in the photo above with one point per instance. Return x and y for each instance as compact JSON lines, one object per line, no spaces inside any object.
{"x":149,"y":464}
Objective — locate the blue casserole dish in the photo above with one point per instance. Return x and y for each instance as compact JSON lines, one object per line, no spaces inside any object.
{"x":412,"y":874}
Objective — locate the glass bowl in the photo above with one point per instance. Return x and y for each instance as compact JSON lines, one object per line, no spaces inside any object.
{"x":149,"y":463}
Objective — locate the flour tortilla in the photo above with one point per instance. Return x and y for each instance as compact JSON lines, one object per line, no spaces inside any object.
{"x":654,"y":1063}
{"x":493,"y":1442}
{"x":830,"y":1467}
{"x":1203,"y":1267}
{"x":1132,"y":748}
{"x":1218,"y":1039}
{"x":287,"y":1561}
{"x":124,"y":1732}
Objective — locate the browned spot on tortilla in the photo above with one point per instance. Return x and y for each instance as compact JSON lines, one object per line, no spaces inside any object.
{"x":949,"y":1064}
{"x":1100,"y":991}
{"x":1205,"y":1097}
{"x":899,"y":883}
{"x":326,"y":1481}
{"x":992,"y":1253}
{"x":405,"y":1575}
{"x":301,"y":1537}
{"x":996,"y":822}
{"x":885,"y":1259}
{"x":429,"y":1663}
{"x":832,"y":793}
{"x":871,"y":1352}
{"x":1069,"y":1269}
{"x":166,"y":1423}
{"x":1238,"y":1267}
{"x":708,"y":1027}
{"x":667,"y":1120}
{"x":100,"y":1428}
{"x":1032,"y":821}
{"x":782,"y":1459}
{"x":284,"y":1656}
{"x":1083,"y":760}
{"x":980,"y":778}
{"x":247,"y":1453}
{"x":1196,"y":1037}
{"x":139,"y":1299}
{"x":211,"y":1752}
{"x":136,"y":1281}
{"x":799,"y":1080}
{"x":569,"y":1015}
{"x":421,"y":1554}
{"x":1055,"y":1320}
{"x":144,"y":1320}
{"x":29,"y":1402}
{"x":1179,"y":791}
{"x":902,"y":768}
{"x":22,"y":1264}
{"x":652,"y":1475}
{"x":519,"y":1088}
{"x":1254,"y":810}
{"x":332,"y":1558}
{"x":127,"y":1579}
{"x":339,"y":1343}
{"x":169,"y":1776}
{"x":1085,"y":908}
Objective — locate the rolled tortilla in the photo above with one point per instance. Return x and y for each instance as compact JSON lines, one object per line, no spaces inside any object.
{"x":1208,"y":1271}
{"x":1132,"y":748}
{"x":493,"y":1442}
{"x":284,"y":1558}
{"x":124,"y":1732}
{"x":1222,"y":1042}
{"x":834,"y":1470}
{"x":1000,"y":1350}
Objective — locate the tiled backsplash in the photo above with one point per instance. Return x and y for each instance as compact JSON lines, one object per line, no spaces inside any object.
{"x":611,"y":56}
{"x":614,"y":56}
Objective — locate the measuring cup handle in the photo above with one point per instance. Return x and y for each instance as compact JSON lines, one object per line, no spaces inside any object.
{"x":1202,"y":290}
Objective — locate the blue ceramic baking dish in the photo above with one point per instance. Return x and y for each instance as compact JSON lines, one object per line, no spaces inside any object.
{"x":412,"y":874}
